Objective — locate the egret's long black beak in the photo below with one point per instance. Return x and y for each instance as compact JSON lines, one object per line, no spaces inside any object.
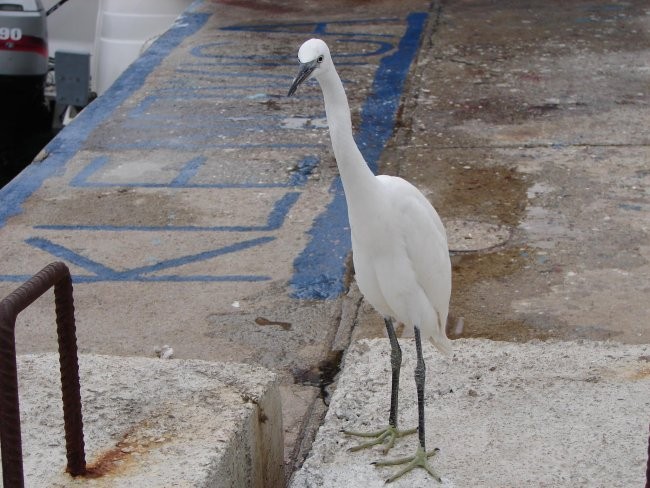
{"x":305,"y":70}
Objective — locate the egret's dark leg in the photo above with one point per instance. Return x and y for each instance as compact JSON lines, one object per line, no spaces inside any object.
{"x":420,"y":376}
{"x":420,"y":459}
{"x":389,"y":434}
{"x":396,"y":366}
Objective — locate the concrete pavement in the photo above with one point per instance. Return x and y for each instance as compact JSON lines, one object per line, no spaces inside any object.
{"x":526,"y":125}
{"x":199,"y":207}
{"x":547,"y":414}
{"x":149,"y":422}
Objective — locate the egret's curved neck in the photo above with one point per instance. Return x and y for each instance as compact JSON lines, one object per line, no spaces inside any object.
{"x":355,"y":173}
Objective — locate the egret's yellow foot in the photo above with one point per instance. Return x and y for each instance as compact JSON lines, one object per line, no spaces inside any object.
{"x":419,"y":460}
{"x":385,"y":436}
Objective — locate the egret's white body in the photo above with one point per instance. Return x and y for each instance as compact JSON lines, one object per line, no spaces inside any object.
{"x":399,"y":249}
{"x":401,"y":259}
{"x":399,"y":245}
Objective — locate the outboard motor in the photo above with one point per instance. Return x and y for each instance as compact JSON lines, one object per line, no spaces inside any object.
{"x":23,"y":59}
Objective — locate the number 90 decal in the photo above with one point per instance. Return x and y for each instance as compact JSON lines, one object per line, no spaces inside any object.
{"x":13,"y":34}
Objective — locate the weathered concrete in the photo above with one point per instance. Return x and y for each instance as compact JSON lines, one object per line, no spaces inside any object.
{"x":533,"y":117}
{"x":153,"y":422}
{"x":198,"y":207}
{"x":551,"y":414}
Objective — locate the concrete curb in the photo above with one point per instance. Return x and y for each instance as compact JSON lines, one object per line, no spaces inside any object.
{"x":152,"y":422}
{"x":552,"y":414}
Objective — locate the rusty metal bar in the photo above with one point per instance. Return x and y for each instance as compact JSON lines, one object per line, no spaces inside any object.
{"x":54,"y":275}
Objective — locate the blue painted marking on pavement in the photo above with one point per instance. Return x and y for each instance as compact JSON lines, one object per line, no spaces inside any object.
{"x":152,"y":279}
{"x":101,"y":272}
{"x":66,"y":254}
{"x":186,"y":145}
{"x":380,"y":108}
{"x":320,"y":268}
{"x":205,"y":123}
{"x":274,"y":221}
{"x":188,"y":172}
{"x":281,"y":209}
{"x":81,"y":178}
{"x":304,"y":168}
{"x":184,"y":179}
{"x":320,"y":28}
{"x":270,"y":64}
{"x":66,"y":144}
{"x":15,"y":278}
{"x":381,"y":48}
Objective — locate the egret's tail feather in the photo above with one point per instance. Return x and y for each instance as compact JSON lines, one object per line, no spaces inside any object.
{"x":443,"y":344}
{"x":440,"y":339}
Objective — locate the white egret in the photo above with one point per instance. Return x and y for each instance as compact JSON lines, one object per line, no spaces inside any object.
{"x":399,"y":249}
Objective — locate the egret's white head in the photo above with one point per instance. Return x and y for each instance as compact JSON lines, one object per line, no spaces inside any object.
{"x":315,"y":59}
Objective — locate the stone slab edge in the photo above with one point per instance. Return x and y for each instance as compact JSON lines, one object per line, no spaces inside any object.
{"x":153,"y":422}
{"x":552,"y":414}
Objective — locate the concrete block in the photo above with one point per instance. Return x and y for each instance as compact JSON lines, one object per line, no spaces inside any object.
{"x":153,"y":422}
{"x":551,"y":414}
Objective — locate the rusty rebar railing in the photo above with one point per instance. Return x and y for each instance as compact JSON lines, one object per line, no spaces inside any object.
{"x":55,"y":275}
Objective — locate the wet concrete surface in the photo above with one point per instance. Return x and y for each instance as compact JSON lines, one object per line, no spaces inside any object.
{"x":534,"y":117}
{"x":196,"y":191}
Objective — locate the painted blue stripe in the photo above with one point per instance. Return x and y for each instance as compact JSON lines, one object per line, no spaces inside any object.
{"x":183,"y":146}
{"x":202,"y":256}
{"x":192,"y":185}
{"x":318,"y":27}
{"x":104,"y":273}
{"x":66,"y":144}
{"x":72,"y":257}
{"x":281,"y":209}
{"x":298,"y":178}
{"x":15,"y":278}
{"x":380,"y":109}
{"x":188,"y":172}
{"x":173,"y":279}
{"x":195,"y":93}
{"x":258,"y":64}
{"x":304,"y":168}
{"x":164,"y":119}
{"x":202,"y":132}
{"x":154,"y":228}
{"x":81,"y":178}
{"x":212,"y":123}
{"x":149,"y":279}
{"x":320,"y":268}
{"x":231,"y":74}
{"x":274,"y":221}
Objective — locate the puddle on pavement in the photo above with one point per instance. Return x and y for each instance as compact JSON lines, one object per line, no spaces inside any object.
{"x":484,"y":316}
{"x":487,"y":282}
{"x":494,"y":194}
{"x":504,"y":110}
{"x":322,"y":375}
{"x":468,"y":185}
{"x":463,"y":187}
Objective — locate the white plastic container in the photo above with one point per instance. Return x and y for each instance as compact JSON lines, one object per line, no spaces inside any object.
{"x":124,"y":29}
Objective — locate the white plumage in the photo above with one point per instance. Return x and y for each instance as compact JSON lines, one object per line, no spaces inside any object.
{"x":399,"y":248}
{"x":401,"y":259}
{"x":399,"y":245}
